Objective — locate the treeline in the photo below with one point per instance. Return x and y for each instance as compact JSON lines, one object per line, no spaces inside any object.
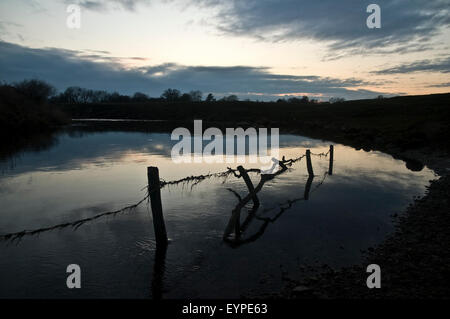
{"x":78,"y":95}
{"x":41,"y":91}
{"x":303,"y":100}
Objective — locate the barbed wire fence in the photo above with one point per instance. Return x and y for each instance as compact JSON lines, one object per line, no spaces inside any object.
{"x":193,"y":181}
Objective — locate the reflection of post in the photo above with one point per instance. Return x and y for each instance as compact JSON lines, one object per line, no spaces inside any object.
{"x":237,"y":226}
{"x":249,"y":184}
{"x":308,"y":186}
{"x":158,"y":271}
{"x":235,"y":218}
{"x":155,"y":198}
{"x":330,"y":169}
{"x":308,"y":163}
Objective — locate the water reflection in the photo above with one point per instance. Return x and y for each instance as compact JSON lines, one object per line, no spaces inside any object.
{"x":88,"y":172}
{"x":159,"y":266}
{"x":237,"y":228}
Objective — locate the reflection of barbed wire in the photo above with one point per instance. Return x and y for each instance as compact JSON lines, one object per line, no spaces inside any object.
{"x":321,"y":154}
{"x":195,"y":180}
{"x":283,"y":207}
{"x":75,"y":225}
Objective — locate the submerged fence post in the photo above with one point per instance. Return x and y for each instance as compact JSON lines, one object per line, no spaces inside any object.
{"x":308,"y":163}
{"x":330,"y":168}
{"x":158,"y":271}
{"x":308,"y":187}
{"x":155,"y":199}
{"x":249,"y":184}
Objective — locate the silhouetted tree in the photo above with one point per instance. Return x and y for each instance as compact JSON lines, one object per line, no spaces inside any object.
{"x":171,"y":95}
{"x":36,"y":90}
{"x":196,"y":96}
{"x":86,"y":96}
{"x":230,"y":98}
{"x":304,"y":100}
{"x":210,"y":98}
{"x":186,"y":97}
{"x":72,"y":94}
{"x":101,"y":96}
{"x":118,"y":98}
{"x":337,"y":100}
{"x":77,"y":95}
{"x":140,"y":97}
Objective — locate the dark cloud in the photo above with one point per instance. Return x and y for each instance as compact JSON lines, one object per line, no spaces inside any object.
{"x":64,"y":68}
{"x":406,"y":24}
{"x":440,"y":85}
{"x":436,"y":65}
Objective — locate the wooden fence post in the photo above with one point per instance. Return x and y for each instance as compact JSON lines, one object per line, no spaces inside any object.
{"x":308,"y":163}
{"x":155,"y":199}
{"x":249,"y":184}
{"x":308,"y":187}
{"x":330,"y":169}
{"x":158,"y":271}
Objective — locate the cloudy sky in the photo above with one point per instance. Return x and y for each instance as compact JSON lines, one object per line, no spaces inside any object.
{"x":257,"y":49}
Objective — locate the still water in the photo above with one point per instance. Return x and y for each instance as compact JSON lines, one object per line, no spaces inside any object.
{"x":84,"y":173}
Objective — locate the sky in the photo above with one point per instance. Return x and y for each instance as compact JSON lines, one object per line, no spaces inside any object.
{"x":256,"y":49}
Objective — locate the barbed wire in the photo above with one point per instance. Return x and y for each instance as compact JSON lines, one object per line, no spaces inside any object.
{"x":185,"y":180}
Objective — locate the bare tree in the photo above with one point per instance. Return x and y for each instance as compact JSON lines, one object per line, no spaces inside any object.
{"x":196,"y":96}
{"x":171,"y":95}
{"x":36,"y":90}
{"x":140,"y":97}
{"x":230,"y":98}
{"x":210,"y":98}
{"x":337,"y":100}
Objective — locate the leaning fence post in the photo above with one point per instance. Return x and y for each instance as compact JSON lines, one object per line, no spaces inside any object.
{"x":308,"y":163}
{"x":155,"y":199}
{"x":308,"y":187}
{"x":249,"y":184}
{"x":330,"y":168}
